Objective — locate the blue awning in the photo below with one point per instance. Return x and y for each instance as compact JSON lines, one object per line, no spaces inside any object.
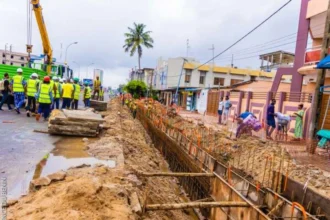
{"x":324,"y":64}
{"x":192,"y":89}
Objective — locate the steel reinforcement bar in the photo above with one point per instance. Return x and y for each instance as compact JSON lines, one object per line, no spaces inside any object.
{"x":227,"y":185}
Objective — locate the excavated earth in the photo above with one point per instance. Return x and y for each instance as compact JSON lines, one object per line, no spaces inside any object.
{"x":101,"y":192}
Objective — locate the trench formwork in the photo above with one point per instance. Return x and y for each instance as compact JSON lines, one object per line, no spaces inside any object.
{"x":226,"y":185}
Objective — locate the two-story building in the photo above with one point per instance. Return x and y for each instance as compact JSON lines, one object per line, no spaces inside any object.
{"x":13,"y":58}
{"x":188,"y":77}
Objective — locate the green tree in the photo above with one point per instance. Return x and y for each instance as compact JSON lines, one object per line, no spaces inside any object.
{"x":136,"y":87}
{"x":136,"y":38}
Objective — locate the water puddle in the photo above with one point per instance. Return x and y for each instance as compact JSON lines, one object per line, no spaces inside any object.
{"x":68,"y":152}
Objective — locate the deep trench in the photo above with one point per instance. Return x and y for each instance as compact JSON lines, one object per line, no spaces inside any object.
{"x":196,"y":187}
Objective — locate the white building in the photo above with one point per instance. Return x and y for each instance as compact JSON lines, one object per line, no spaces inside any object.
{"x":190,"y":77}
{"x":13,"y":58}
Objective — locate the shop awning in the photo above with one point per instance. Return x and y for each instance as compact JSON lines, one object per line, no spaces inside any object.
{"x":324,"y":64}
{"x":305,"y":70}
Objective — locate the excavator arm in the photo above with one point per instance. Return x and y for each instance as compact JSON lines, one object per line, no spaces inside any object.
{"x":44,"y":34}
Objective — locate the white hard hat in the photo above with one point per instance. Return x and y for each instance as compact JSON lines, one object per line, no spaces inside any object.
{"x":54,"y":78}
{"x":34,"y":75}
{"x":61,"y":80}
{"x":19,"y":70}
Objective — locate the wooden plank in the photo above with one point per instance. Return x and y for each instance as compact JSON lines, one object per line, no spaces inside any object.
{"x":176,"y":174}
{"x":154,"y":207}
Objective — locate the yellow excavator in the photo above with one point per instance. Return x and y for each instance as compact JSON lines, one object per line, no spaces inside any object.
{"x":48,"y":52}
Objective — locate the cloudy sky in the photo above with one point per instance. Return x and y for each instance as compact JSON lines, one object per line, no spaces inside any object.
{"x":99,"y":25}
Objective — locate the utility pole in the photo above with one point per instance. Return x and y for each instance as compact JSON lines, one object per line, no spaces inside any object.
{"x":232,"y":61}
{"x":317,"y":100}
{"x":188,"y":47}
{"x":212,"y":48}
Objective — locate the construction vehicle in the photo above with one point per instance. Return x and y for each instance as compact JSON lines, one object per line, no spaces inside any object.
{"x":48,"y":52}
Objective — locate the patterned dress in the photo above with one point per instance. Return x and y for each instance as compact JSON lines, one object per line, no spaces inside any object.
{"x":298,"y":130}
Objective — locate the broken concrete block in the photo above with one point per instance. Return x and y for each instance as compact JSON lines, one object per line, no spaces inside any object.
{"x":135,"y":203}
{"x":43,"y":181}
{"x":57,"y":176}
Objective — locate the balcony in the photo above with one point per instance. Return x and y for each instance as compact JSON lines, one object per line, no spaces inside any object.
{"x":313,"y":55}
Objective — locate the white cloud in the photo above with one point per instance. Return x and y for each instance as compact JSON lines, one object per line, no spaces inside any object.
{"x":99,"y":26}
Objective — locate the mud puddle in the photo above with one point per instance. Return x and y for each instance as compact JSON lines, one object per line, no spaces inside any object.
{"x":68,"y":152}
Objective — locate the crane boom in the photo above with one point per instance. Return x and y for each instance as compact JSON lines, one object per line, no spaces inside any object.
{"x":43,"y":33}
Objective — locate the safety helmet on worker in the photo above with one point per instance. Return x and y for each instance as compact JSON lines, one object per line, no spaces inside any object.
{"x":46,"y":79}
{"x":76,"y":79}
{"x":55,"y":78}
{"x":34,"y":75}
{"x":61,"y":80}
{"x":19,"y":70}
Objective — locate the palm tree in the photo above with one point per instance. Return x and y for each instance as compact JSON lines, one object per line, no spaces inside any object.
{"x":136,"y":38}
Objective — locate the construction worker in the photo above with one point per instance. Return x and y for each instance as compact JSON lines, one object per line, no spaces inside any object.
{"x":45,"y":98}
{"x":134,"y":109}
{"x":97,"y":86}
{"x":52,"y":84}
{"x":76,"y":95}
{"x":18,"y":84}
{"x":57,"y":93}
{"x":87,"y":95}
{"x":67,"y":94}
{"x":101,"y":93}
{"x":32,"y":89}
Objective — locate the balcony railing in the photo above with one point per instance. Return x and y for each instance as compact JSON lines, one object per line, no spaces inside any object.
{"x":313,"y":55}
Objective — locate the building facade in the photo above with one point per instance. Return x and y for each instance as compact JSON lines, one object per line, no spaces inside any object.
{"x":190,"y":78}
{"x":13,"y":58}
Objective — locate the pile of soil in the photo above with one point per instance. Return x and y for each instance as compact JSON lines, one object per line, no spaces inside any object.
{"x":108,"y":193}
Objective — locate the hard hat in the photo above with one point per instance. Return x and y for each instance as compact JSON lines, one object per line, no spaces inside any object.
{"x":19,"y":70}
{"x":61,"y":80}
{"x":76,"y":79}
{"x":46,"y":79}
{"x":54,"y":77}
{"x":34,"y":75}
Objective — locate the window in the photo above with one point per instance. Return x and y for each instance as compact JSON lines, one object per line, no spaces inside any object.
{"x":3,"y":55}
{"x":202,"y":77}
{"x":11,"y":63}
{"x":235,"y":81}
{"x":12,"y":56}
{"x":219,"y":81}
{"x":3,"y":62}
{"x":187,"y":76}
{"x":22,"y":65}
{"x":22,"y":58}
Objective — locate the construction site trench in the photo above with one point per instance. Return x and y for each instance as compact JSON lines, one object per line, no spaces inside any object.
{"x":162,"y":171}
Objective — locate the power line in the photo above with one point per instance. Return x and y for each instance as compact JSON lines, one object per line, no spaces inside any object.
{"x":255,"y":28}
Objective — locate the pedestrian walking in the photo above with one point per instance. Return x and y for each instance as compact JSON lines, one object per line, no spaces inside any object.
{"x":227,"y":106}
{"x":97,"y":86}
{"x":270,"y":119}
{"x":298,"y":130}
{"x":31,"y":90}
{"x":76,"y":94}
{"x":67,"y":94}
{"x":87,"y":95}
{"x":220,"y":110}
{"x":18,"y":84}
{"x":57,"y":93}
{"x":45,"y":98}
{"x":5,"y":90}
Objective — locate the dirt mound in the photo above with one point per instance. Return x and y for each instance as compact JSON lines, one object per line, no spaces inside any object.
{"x":104,"y":193}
